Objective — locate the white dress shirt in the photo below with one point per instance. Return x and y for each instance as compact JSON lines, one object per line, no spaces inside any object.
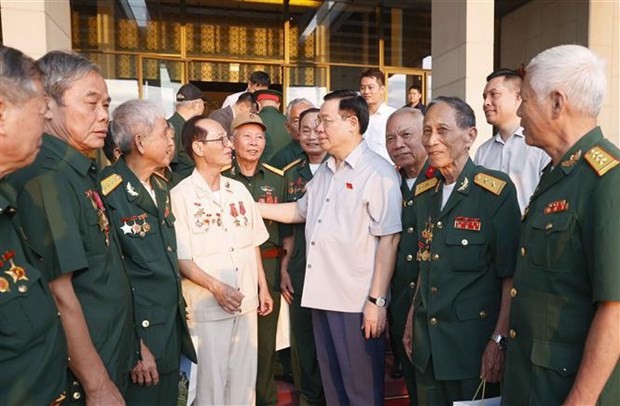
{"x":375,"y":134}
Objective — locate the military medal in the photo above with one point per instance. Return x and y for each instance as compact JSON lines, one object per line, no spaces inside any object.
{"x":467,"y":223}
{"x":242,"y":211}
{"x":234,"y":213}
{"x":97,"y":204}
{"x":136,"y":228}
{"x":4,"y":285}
{"x":17,"y":273}
{"x":424,"y":248}
{"x":556,"y":207}
{"x":219,"y":219}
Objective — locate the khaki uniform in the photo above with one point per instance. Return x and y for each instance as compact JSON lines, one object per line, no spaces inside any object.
{"x":267,"y":186}
{"x":33,"y":352}
{"x":304,"y":359}
{"x":463,"y":251}
{"x":569,"y":260}
{"x":146,"y":234}
{"x":69,"y":233}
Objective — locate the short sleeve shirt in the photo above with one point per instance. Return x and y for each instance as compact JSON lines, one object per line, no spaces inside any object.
{"x":220,"y":235}
{"x":347,"y":209}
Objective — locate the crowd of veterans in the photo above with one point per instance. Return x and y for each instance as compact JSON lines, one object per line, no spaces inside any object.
{"x":374,"y":225}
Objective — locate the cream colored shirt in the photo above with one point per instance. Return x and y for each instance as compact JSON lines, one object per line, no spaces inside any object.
{"x":220,"y":234}
{"x":347,"y":209}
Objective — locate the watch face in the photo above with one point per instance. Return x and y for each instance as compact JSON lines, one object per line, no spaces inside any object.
{"x":380,"y":301}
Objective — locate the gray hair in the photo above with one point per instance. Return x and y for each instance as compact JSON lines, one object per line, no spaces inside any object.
{"x":18,"y":76}
{"x":294,"y":103}
{"x":415,"y":115}
{"x":61,"y":69}
{"x":133,"y":117}
{"x":574,"y":70}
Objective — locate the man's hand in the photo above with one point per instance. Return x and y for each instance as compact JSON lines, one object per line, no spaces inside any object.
{"x":374,"y":320}
{"x":408,"y":334}
{"x":265,"y":306}
{"x":227,"y":297}
{"x":286,"y":286}
{"x":492,"y":367}
{"x":106,"y":394}
{"x":145,"y":372}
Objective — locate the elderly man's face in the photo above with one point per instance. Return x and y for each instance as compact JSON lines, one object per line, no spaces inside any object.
{"x":534,"y":115}
{"x":216,"y":149}
{"x":308,"y":136}
{"x":159,"y":144}
{"x":292,"y":123}
{"x":403,"y":140}
{"x":249,"y":141}
{"x":445,"y":142}
{"x":22,"y":126}
{"x":82,"y":119}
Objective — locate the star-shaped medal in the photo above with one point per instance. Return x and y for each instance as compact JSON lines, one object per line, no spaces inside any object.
{"x":126,"y":228}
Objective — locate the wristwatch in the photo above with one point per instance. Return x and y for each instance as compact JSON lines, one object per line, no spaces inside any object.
{"x":379,"y":301}
{"x":500,"y":340}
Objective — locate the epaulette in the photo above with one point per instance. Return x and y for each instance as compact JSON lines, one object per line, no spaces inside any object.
{"x":289,"y":166}
{"x":490,"y":183}
{"x":224,"y":169}
{"x":426,"y":185}
{"x":110,"y":183}
{"x":600,"y":160}
{"x":273,"y":169}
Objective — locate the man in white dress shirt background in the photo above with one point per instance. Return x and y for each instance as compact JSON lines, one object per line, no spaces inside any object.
{"x":372,"y":89}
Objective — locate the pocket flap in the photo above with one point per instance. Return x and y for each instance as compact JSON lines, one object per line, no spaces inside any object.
{"x":465,"y":238}
{"x":151,"y":317}
{"x":552,"y":222}
{"x":560,"y":357}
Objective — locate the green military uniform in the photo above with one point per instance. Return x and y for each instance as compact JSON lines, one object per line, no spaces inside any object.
{"x":569,"y":259}
{"x":277,"y":136}
{"x":403,"y":283}
{"x":287,"y":154}
{"x":148,"y":241}
{"x":267,"y":186}
{"x":181,"y":163}
{"x":70,"y":234}
{"x":304,"y":359}
{"x":33,"y":352}
{"x":463,"y":252}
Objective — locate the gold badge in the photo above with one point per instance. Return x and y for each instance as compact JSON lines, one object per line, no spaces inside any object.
{"x":490,"y":183}
{"x":4,"y":285}
{"x":600,"y":160}
{"x":426,"y":185}
{"x":110,"y":183}
{"x":572,"y":160}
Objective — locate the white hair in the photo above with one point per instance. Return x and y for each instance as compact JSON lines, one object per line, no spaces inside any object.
{"x":133,"y":117}
{"x":294,"y":103}
{"x":575,"y":71}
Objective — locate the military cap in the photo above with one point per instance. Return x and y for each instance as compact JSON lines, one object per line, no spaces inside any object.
{"x":189,"y":92}
{"x":247,"y":117}
{"x":268,"y":94}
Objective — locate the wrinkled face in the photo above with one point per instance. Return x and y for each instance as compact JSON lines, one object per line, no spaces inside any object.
{"x":535,"y":115}
{"x":82,"y":119}
{"x":158,"y":146}
{"x":445,"y":142}
{"x":372,"y":91}
{"x":501,"y":101}
{"x":403,"y":140}
{"x":333,"y":129}
{"x":21,"y":128}
{"x":249,"y":142}
{"x":216,"y":149}
{"x":292,"y":123}
{"x":414,"y":96}
{"x":308,"y":136}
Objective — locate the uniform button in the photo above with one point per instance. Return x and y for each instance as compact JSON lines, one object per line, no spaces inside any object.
{"x":435,"y":257}
{"x":409,"y":202}
{"x":410,"y":230}
{"x":433,"y":321}
{"x":76,"y":383}
{"x":464,"y":242}
{"x":513,"y":292}
{"x":145,"y":323}
{"x":312,"y":243}
{"x":548,"y":226}
{"x":309,"y":266}
{"x":439,"y":224}
{"x":320,"y":221}
{"x":77,"y":395}
{"x":412,"y":285}
{"x":483,"y":314}
{"x":433,"y":289}
{"x":58,"y":313}
{"x":327,"y":200}
{"x":513,"y":334}
{"x":409,"y":257}
{"x":169,"y":248}
{"x":22,"y":288}
{"x":231,"y":249}
{"x":522,"y":251}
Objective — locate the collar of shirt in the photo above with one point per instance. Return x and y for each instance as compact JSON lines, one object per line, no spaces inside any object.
{"x":517,"y":133}
{"x":78,"y":161}
{"x":352,"y":159}
{"x":384,"y":109}
{"x":202,"y":188}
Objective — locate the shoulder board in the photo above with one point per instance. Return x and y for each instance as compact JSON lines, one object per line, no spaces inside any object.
{"x":289,"y":166}
{"x":600,"y":160}
{"x":110,"y":183}
{"x":273,"y":169}
{"x":224,"y":169}
{"x":490,"y":183}
{"x":426,"y":185}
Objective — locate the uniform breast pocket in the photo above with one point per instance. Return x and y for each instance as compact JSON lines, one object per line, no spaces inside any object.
{"x":466,"y":250}
{"x":551,"y":241}
{"x":95,"y":239}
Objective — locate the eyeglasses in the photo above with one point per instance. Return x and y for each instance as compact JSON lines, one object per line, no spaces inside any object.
{"x":224,"y":139}
{"x":327,"y":121}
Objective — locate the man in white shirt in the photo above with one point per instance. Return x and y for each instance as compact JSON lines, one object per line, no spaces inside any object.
{"x":372,"y":89}
{"x":507,"y":151}
{"x":259,"y":80}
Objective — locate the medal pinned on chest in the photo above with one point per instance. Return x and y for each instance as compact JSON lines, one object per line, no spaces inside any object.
{"x":140,"y":226}
{"x":97,"y":203}
{"x":424,"y":245}
{"x":15,"y":272}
